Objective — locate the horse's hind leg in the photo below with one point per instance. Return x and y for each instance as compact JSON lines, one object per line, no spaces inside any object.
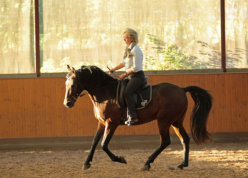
{"x":164,"y":142}
{"x":184,"y":138}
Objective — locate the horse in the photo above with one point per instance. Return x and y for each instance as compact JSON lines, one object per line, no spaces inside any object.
{"x":168,"y":106}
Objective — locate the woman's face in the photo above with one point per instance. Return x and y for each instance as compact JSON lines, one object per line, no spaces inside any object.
{"x":127,"y":39}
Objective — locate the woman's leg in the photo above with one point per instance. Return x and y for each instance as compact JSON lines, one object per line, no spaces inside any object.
{"x":134,"y":84}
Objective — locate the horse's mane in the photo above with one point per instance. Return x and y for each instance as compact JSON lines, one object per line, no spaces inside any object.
{"x":96,"y":75}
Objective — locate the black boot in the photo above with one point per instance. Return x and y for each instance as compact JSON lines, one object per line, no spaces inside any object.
{"x":131,"y":121}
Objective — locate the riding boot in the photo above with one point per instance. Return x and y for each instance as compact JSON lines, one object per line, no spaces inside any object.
{"x":131,"y":118}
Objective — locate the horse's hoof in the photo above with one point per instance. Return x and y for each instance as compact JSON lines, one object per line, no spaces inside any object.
{"x":146,"y":168}
{"x":181,"y":166}
{"x":86,"y":166}
{"x":121,"y":159}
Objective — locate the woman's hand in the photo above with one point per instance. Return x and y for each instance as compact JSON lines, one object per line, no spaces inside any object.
{"x":122,"y":76}
{"x":110,"y":70}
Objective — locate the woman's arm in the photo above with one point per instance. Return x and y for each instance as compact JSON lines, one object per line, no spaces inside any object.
{"x":119,"y":66}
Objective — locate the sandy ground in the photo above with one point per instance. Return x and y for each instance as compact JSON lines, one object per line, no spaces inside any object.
{"x":228,"y":159}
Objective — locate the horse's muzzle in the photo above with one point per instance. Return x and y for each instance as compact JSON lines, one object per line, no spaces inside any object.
{"x":69,"y":104}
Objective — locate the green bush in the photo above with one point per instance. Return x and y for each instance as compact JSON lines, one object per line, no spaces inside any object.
{"x":168,"y":57}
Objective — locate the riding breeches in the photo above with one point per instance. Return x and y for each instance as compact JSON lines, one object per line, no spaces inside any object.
{"x":137,"y":80}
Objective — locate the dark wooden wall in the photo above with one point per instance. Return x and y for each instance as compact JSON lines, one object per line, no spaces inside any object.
{"x":33,"y":107}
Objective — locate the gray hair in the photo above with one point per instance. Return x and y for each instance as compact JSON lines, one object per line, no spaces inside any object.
{"x":132,"y":33}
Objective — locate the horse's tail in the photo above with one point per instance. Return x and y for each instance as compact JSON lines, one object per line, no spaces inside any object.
{"x":199,"y":116}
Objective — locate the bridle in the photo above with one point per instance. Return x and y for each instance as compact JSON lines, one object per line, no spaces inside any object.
{"x":79,"y":86}
{"x":81,"y":94}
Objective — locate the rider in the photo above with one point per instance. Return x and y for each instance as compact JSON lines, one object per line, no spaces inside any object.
{"x":133,"y":63}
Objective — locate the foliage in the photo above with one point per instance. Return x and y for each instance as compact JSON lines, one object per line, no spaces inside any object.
{"x":169,"y":57}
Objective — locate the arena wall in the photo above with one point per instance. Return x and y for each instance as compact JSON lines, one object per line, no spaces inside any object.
{"x":33,"y":107}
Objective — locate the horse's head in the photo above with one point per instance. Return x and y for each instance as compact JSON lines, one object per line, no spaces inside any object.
{"x":90,"y":78}
{"x":73,"y":87}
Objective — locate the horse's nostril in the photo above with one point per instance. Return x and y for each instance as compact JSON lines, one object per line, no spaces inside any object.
{"x":69,"y":104}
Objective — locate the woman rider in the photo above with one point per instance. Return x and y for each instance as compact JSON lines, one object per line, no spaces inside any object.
{"x":133,"y":63}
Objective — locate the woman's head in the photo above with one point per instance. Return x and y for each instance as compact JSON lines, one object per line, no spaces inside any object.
{"x":130,"y":36}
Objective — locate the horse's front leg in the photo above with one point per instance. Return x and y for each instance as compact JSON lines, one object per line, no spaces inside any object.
{"x":108,"y":133}
{"x":99,"y":133}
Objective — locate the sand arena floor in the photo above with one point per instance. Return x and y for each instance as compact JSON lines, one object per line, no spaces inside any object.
{"x":217,"y":159}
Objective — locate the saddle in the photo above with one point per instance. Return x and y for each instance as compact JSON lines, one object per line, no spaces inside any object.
{"x":142,"y":96}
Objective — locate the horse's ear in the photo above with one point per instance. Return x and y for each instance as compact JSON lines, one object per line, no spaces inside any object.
{"x":69,"y":68}
{"x":73,"y":71}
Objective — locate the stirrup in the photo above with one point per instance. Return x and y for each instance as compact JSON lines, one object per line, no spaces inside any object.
{"x":131,"y":121}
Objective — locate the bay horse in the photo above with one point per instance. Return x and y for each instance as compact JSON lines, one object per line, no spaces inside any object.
{"x":168,"y":106}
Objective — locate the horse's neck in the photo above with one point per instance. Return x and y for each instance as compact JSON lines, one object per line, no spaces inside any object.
{"x":103,"y":93}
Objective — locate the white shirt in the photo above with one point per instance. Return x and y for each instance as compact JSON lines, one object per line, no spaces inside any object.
{"x":134,"y":62}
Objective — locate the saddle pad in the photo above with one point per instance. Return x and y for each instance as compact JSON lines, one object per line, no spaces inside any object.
{"x":144,"y":97}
